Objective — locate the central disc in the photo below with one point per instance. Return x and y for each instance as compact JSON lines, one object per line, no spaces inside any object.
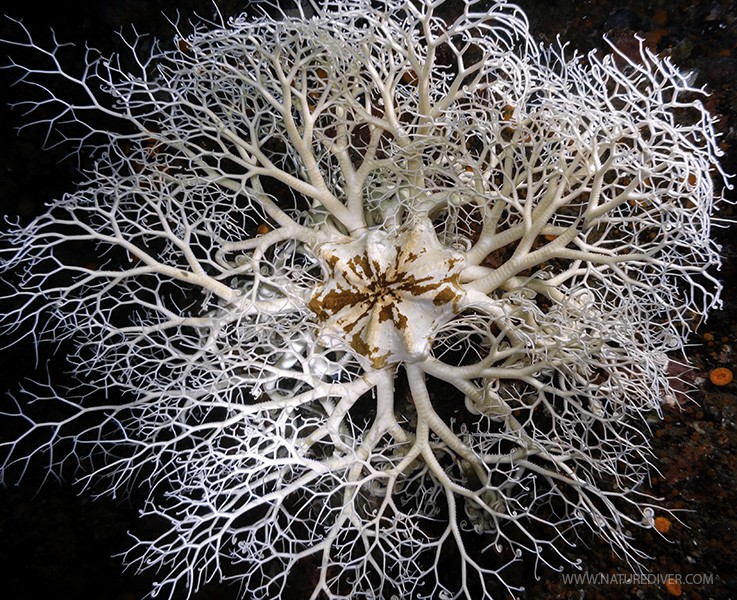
{"x":385,"y":294}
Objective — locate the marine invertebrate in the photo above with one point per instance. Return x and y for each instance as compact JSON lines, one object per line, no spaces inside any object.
{"x":383,"y":290}
{"x":720,"y":376}
{"x":662,"y":524}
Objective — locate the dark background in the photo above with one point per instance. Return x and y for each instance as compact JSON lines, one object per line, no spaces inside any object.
{"x":56,"y":543}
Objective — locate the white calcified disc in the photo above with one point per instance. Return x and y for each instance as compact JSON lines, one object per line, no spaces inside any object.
{"x":385,"y":294}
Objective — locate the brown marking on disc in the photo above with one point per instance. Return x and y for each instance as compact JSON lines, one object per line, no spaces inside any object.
{"x":401,"y":321}
{"x":445,"y":296}
{"x":336,"y":300}
{"x":386,"y":313}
